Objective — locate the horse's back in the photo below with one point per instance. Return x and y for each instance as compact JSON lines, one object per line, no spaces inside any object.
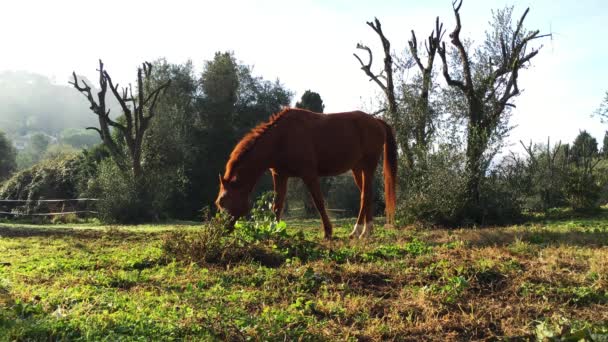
{"x":335,"y":142}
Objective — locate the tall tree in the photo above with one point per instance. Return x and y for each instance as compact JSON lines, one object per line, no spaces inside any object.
{"x":8,"y":163}
{"x":584,"y":149}
{"x":605,"y":145}
{"x":138,"y":110}
{"x":487,"y":79}
{"x":582,"y":188}
{"x":230,"y":103}
{"x":170,"y":147}
{"x":422,"y":114}
{"x":385,"y":81}
{"x":411,"y":114}
{"x":312,"y":101}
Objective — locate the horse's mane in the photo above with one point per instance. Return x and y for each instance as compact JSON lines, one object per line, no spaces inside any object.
{"x":248,"y":141}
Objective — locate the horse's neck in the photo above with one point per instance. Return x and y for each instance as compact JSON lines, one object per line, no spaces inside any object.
{"x":258,"y":160}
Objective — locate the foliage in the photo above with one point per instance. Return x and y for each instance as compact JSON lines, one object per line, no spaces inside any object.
{"x":64,"y":177}
{"x":123,"y":200}
{"x":486,"y":81}
{"x":79,"y":138}
{"x":434,"y":194}
{"x":8,"y":162}
{"x":202,"y":119}
{"x":205,"y":245}
{"x":312,"y":101}
{"x":262,"y":224}
{"x":252,"y":238}
{"x":557,"y":176}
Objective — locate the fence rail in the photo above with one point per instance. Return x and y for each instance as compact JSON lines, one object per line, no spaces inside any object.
{"x":49,"y":200}
{"x":52,"y":206}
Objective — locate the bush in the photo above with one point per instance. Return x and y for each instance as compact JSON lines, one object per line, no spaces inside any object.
{"x":123,"y":200}
{"x":433,"y":193}
{"x":259,"y":238}
{"x":64,"y":177}
{"x":206,"y":244}
{"x":500,"y":202}
{"x":582,"y":191}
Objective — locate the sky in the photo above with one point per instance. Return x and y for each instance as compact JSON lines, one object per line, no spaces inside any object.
{"x":309,"y":45}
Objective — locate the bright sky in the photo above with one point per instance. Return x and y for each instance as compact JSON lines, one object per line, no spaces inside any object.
{"x":309,"y":45}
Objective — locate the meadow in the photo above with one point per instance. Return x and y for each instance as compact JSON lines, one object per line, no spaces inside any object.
{"x":544,"y":280}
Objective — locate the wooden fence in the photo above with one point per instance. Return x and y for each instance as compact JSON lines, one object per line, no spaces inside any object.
{"x":47,"y":207}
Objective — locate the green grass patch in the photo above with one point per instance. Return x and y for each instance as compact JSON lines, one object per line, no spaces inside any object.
{"x":282,"y":281}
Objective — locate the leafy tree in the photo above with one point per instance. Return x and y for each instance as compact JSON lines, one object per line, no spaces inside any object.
{"x":605,"y":145}
{"x":170,"y":147}
{"x":125,"y":142}
{"x":486,"y":79}
{"x":311,"y":101}
{"x":202,"y":118}
{"x":39,"y":143}
{"x":584,"y":149}
{"x":602,"y":111}
{"x":8,"y":154}
{"x":232,"y":102}
{"x":544,"y":174}
{"x":583,"y":188}
{"x":409,"y":105}
{"x":79,"y":138}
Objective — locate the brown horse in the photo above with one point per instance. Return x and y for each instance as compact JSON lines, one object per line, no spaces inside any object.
{"x":300,"y":143}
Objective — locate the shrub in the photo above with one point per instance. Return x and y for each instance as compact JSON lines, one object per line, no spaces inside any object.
{"x":259,"y":238}
{"x":123,"y":200}
{"x":582,"y":190}
{"x":206,"y":244}
{"x":433,"y":192}
{"x":64,"y":177}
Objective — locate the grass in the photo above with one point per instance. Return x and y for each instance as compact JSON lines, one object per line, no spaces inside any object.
{"x":546,"y":280}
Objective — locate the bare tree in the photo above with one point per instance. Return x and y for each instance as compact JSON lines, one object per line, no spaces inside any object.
{"x":384,"y":80}
{"x":415,"y":125}
{"x":488,"y":82}
{"x":423,"y":122}
{"x":138,"y":110}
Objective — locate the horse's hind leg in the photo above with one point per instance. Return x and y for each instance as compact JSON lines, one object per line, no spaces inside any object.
{"x":315,"y":191}
{"x":280,"y":189}
{"x":367,"y":201}
{"x":358,"y":228}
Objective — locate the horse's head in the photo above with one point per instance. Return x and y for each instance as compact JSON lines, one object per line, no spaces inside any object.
{"x":232,"y":199}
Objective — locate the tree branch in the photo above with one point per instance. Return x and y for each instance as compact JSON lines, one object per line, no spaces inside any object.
{"x":446,"y":72}
{"x":367,"y":67}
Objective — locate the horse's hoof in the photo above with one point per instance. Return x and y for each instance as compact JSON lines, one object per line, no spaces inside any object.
{"x":356,"y":231}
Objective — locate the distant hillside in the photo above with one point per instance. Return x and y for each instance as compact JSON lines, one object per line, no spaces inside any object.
{"x":34,"y":103}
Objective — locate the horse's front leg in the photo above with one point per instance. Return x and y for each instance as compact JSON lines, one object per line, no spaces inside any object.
{"x":315,"y":191}
{"x":280,"y":191}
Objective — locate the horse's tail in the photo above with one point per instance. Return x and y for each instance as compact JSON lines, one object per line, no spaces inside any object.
{"x":390,"y":172}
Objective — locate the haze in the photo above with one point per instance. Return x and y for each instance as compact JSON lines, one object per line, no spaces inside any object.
{"x":309,"y":45}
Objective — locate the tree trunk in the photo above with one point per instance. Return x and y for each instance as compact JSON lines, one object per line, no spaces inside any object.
{"x":477,"y":140}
